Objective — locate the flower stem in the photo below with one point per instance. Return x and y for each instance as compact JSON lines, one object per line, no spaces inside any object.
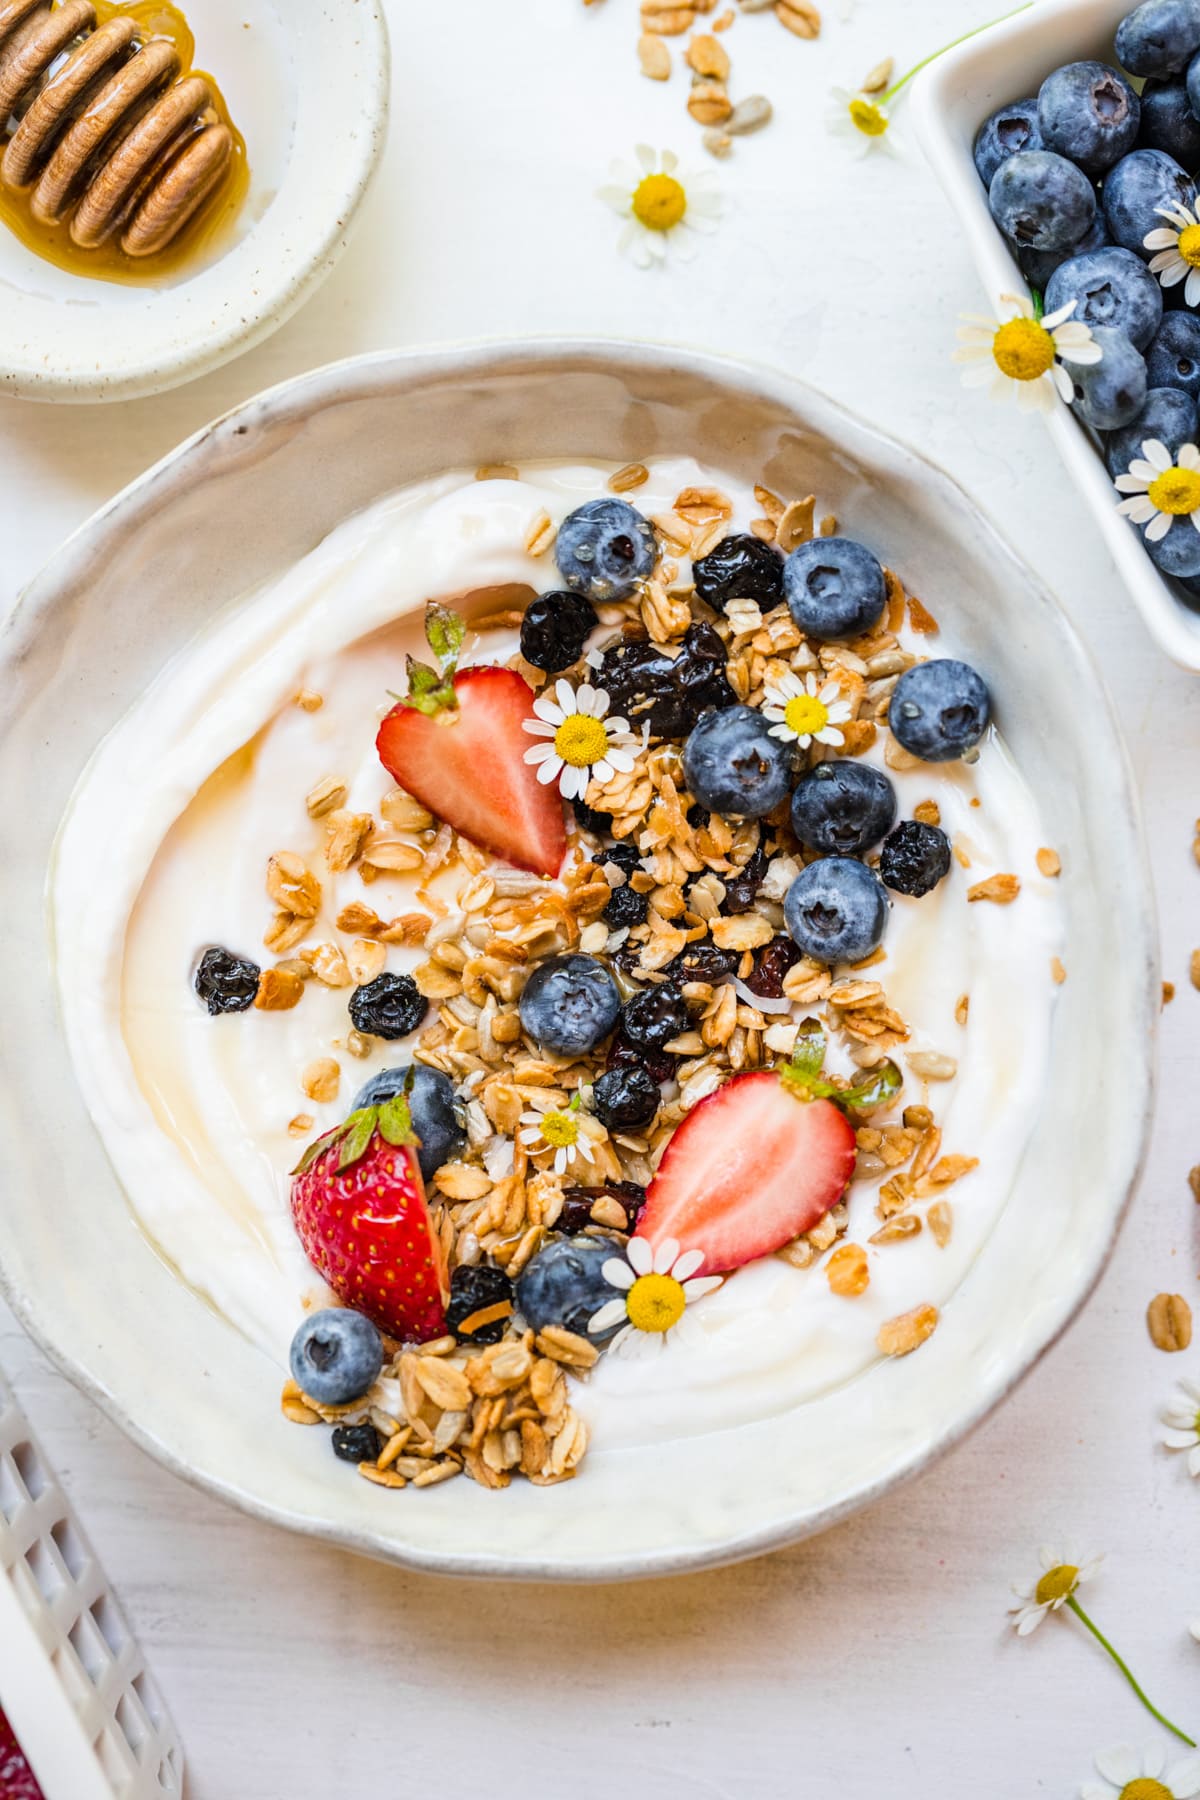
{"x":1100,"y":1638}
{"x":952,"y":45}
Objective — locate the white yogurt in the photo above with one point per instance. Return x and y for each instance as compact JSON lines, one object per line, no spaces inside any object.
{"x":164,"y":850}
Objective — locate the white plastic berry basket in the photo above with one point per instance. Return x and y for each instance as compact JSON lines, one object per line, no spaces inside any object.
{"x":73,"y":1682}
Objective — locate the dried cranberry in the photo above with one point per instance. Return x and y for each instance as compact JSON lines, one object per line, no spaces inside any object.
{"x":644,"y":683}
{"x":770,"y":966}
{"x":578,"y":1202}
{"x":741,"y":890}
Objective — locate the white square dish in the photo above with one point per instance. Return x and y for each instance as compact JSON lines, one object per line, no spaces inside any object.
{"x":950,"y":101}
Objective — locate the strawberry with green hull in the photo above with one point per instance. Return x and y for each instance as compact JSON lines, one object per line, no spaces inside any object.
{"x":761,"y":1161}
{"x":358,"y":1204}
{"x":456,"y":743}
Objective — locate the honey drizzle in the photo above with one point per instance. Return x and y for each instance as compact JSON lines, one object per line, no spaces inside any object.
{"x":108,"y":262}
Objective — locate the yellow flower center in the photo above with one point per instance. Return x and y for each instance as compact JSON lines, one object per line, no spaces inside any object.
{"x":1145,"y":1788}
{"x":655,"y":1302}
{"x":868,"y":118}
{"x":1176,"y":491}
{"x":581,"y":740}
{"x":1057,"y":1584}
{"x":1023,"y":349}
{"x":659,"y":202}
{"x":560,"y":1130}
{"x":1189,"y":245}
{"x":805,"y":714}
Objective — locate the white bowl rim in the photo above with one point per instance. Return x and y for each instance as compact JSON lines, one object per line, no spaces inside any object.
{"x":269,"y":292}
{"x":295,"y":398}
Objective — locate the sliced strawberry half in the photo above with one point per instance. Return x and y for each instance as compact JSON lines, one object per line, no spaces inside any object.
{"x":750,"y":1168}
{"x":358,"y":1204}
{"x":466,"y":764}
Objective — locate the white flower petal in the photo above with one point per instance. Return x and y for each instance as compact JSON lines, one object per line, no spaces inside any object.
{"x":1063,"y":383}
{"x":1154,"y":1760}
{"x":1156,"y":454}
{"x":699,"y":1285}
{"x":640,"y":1255}
{"x":540,"y":753}
{"x":611,"y":1313}
{"x":1188,"y":457}
{"x":1193,"y":1462}
{"x":1120,"y":1764}
{"x":545,"y":709}
{"x":687,"y":1264}
{"x":1161,"y":238}
{"x":617,"y":1272}
{"x":1051,"y":321}
{"x":665,"y":1255}
{"x":548,"y":771}
{"x":1183,"y":1778}
{"x":1029,"y":1620}
{"x":565,"y":695}
{"x":1158,"y":528}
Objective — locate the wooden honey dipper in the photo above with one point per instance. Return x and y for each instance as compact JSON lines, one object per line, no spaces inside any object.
{"x":113,"y":141}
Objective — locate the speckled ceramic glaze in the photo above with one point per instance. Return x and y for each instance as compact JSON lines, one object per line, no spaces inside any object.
{"x":308,"y":87}
{"x":950,"y":102}
{"x":233,"y":508}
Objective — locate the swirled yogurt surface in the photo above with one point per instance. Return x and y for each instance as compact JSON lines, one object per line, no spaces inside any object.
{"x":163,"y":852}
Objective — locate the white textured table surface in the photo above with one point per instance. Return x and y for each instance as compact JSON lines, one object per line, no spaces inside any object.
{"x":876,"y":1659}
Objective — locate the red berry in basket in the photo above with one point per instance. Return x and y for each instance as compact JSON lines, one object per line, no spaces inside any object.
{"x":17,"y":1779}
{"x":358,"y":1203}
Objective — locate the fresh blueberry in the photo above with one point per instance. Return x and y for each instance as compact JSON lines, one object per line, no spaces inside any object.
{"x":841,"y":808}
{"x":939,"y":710}
{"x":1109,"y":287}
{"x":914,"y":858}
{"x":733,"y":765}
{"x":564,"y":1286}
{"x":1134,"y":192}
{"x":836,"y":910}
{"x":604,"y":548}
{"x":1089,"y":113}
{"x":225,"y":982}
{"x":1038,"y":266}
{"x":554,"y":629}
{"x":1112,"y":392}
{"x":1191,"y":591}
{"x":1159,"y":37}
{"x":1013,"y":129}
{"x":1178,"y":553}
{"x":626,"y":908}
{"x":1190,"y":157}
{"x":356,"y":1443}
{"x":569,"y":1004}
{"x":1168,"y":415}
{"x":1041,"y":201}
{"x":625,"y":1098}
{"x":1168,"y":121}
{"x":391,"y":1006}
{"x":650,"y":1019}
{"x":336,"y":1355}
{"x":437,"y":1115}
{"x":1173,"y":358}
{"x":834,"y":588}
{"x":478,"y":1288}
{"x":742,"y":567}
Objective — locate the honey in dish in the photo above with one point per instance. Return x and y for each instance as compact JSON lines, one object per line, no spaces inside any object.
{"x":155,"y":20}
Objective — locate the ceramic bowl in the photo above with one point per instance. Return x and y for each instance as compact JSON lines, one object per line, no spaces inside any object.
{"x":235,"y":506}
{"x":308,"y":87}
{"x":950,"y":101}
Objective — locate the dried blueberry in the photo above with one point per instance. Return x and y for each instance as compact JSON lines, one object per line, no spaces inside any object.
{"x":645,"y":685}
{"x":770,"y":966}
{"x":626,"y":857}
{"x":357,"y":1443}
{"x":598,"y":823}
{"x":914,"y":858}
{"x":701,"y":962}
{"x":388,"y":1007}
{"x":626,"y":908}
{"x":226,"y":983}
{"x":741,"y":890}
{"x":474,"y":1291}
{"x":625,"y":1098}
{"x":623,"y":1054}
{"x":578,"y":1202}
{"x":742,"y":567}
{"x":554,"y":630}
{"x":655,"y":1016}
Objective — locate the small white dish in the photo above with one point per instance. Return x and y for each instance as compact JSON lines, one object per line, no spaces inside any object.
{"x":308,"y":88}
{"x":950,"y":101}
{"x":233,"y":508}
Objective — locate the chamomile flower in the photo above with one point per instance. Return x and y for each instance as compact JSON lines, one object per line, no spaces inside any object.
{"x":585,"y":744}
{"x":1181,"y":1416}
{"x":1178,"y":246}
{"x":806,"y":710}
{"x":1162,"y":489}
{"x":653,"y":1290}
{"x":1060,"y":1578}
{"x":558,"y":1129}
{"x":663,"y":205}
{"x":862,"y":120}
{"x":1130,"y":1776}
{"x":1023,"y":355}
